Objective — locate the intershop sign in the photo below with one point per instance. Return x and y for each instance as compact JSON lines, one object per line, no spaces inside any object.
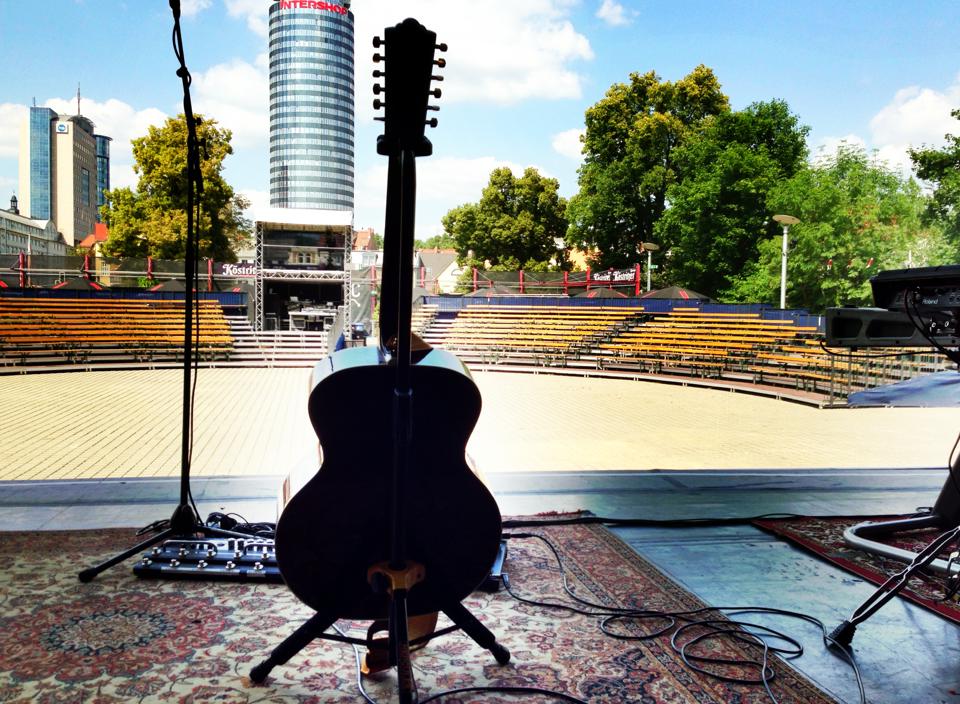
{"x":312,"y":5}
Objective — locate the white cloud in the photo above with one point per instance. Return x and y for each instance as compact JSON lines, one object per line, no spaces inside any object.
{"x":120,"y":121}
{"x":499,"y":52}
{"x":259,"y":201}
{"x":613,"y":13}
{"x":11,"y":117}
{"x":256,"y":13}
{"x":189,"y":8}
{"x":236,"y":95}
{"x":915,"y":117}
{"x":568,"y":143}
{"x":828,"y":146}
{"x":442,"y":183}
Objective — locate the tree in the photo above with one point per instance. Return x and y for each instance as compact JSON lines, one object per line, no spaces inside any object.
{"x":857,"y":217}
{"x":441,"y":241}
{"x":629,"y":146}
{"x":515,"y":225}
{"x":717,"y":213}
{"x":152,"y":220}
{"x":942,"y":167}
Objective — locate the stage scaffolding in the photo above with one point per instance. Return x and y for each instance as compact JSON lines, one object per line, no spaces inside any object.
{"x":308,"y":246}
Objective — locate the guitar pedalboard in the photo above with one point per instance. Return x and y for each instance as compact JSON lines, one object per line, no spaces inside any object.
{"x":235,"y":559}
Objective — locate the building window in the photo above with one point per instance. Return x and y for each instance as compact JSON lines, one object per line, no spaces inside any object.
{"x":84,"y":186}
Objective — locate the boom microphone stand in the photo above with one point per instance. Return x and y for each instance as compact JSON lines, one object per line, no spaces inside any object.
{"x":185,"y":521}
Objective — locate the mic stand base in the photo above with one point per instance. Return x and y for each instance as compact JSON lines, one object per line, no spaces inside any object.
{"x":184,"y":523}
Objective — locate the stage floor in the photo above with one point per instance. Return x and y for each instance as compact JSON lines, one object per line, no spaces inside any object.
{"x":253,"y":422}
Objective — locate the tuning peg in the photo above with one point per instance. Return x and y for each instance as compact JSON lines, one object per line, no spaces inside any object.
{"x":433,"y":107}
{"x":432,"y":122}
{"x":380,"y":119}
{"x":435,"y":93}
{"x":377,"y":104}
{"x":441,"y":62}
{"x":377,"y":89}
{"x":377,"y":42}
{"x":377,"y":58}
{"x":442,"y":46}
{"x":436,"y":78}
{"x":378,"y":74}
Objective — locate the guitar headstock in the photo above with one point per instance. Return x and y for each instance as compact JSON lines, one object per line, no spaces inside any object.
{"x":408,"y":50}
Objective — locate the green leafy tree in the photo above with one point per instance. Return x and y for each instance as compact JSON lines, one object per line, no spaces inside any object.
{"x":942,"y":168}
{"x":632,"y":135}
{"x":441,"y":241}
{"x":717,"y":213}
{"x":152,"y":219}
{"x":857,"y":217}
{"x":515,"y":225}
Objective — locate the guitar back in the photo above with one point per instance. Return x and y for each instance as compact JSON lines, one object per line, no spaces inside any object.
{"x":338,"y":524}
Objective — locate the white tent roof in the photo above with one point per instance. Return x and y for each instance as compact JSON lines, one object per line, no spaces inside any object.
{"x":304,"y":217}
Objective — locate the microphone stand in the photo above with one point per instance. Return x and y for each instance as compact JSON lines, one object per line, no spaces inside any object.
{"x":185,"y":521}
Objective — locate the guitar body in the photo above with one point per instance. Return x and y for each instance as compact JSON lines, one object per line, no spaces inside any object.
{"x":338,"y":524}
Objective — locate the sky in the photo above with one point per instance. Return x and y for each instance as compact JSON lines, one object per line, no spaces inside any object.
{"x":520,"y":75}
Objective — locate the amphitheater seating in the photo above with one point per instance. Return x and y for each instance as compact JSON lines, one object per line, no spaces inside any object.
{"x":721,"y":349}
{"x":422,"y":317}
{"x":527,"y":334}
{"x":40,"y":331}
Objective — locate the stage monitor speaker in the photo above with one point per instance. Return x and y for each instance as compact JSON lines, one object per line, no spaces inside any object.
{"x":877,"y":327}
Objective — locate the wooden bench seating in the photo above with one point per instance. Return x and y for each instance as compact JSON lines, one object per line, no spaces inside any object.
{"x":39,"y":330}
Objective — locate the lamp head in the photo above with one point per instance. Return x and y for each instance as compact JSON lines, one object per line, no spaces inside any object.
{"x":786,"y":219}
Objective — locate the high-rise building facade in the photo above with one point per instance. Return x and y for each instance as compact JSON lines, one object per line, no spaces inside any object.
{"x":37,"y":165}
{"x":60,"y":171}
{"x":311,"y":105}
{"x":103,"y":170}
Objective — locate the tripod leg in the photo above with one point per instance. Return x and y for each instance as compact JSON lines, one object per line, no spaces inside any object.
{"x":458,"y":613}
{"x":91,"y":572}
{"x":293,"y":644}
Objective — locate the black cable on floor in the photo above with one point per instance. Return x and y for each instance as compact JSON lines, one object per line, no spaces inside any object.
{"x":713,"y":629}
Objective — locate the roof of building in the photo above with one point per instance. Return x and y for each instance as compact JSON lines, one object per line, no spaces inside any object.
{"x":303,"y":217}
{"x":16,"y":217}
{"x":99,"y":234}
{"x":362,"y":239}
{"x":437,"y":261}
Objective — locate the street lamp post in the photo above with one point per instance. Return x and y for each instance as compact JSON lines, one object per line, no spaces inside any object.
{"x":649,"y":248}
{"x":786,"y":221}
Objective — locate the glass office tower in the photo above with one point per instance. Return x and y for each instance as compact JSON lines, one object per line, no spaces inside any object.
{"x":103,"y":169}
{"x":311,"y":105}
{"x":40,"y":164}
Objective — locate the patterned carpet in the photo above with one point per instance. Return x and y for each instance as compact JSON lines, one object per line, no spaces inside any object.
{"x":121,"y":639}
{"x":824,"y":538}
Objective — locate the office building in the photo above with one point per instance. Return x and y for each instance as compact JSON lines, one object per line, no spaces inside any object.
{"x":103,"y":169}
{"x":61,"y":160}
{"x":311,"y":105}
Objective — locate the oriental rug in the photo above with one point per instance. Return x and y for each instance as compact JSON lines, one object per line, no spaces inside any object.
{"x":824,"y":538}
{"x":123,"y":639}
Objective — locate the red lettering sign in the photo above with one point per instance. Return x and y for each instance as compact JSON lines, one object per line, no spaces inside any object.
{"x":312,"y":5}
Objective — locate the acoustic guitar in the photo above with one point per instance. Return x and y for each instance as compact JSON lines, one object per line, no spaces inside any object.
{"x":393,"y":422}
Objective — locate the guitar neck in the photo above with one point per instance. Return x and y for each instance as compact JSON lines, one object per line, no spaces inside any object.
{"x":397,"y":281}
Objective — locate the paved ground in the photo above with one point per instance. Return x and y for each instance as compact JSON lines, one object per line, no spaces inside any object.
{"x":253,"y":422}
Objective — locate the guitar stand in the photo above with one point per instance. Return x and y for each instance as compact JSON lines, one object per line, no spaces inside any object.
{"x":396,"y":583}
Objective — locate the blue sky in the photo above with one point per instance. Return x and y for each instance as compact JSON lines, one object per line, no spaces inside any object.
{"x":520,"y":76}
